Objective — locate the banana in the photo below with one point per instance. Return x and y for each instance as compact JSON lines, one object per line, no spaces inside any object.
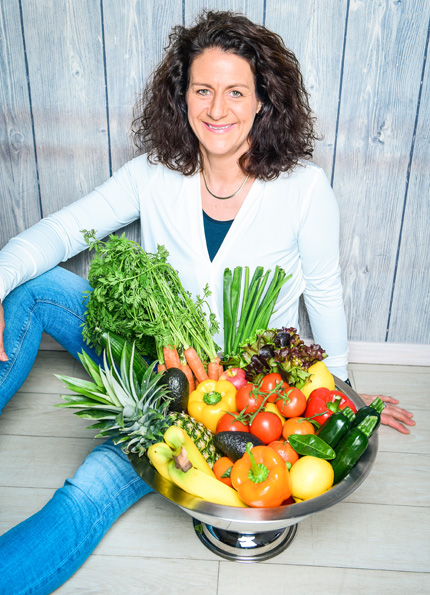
{"x":177,"y":439}
{"x":198,"y":483}
{"x":160,"y":455}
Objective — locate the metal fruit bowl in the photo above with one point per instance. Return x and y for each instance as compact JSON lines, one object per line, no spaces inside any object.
{"x":255,"y":534}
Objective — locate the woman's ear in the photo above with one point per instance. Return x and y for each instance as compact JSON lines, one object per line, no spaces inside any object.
{"x":259,"y":106}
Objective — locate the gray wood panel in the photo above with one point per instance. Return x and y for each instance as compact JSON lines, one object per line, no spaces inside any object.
{"x":411,"y":297}
{"x":135,"y":33}
{"x":69,"y":101}
{"x":253,"y":9}
{"x":314,"y":30}
{"x":381,"y":80}
{"x":19,"y":204}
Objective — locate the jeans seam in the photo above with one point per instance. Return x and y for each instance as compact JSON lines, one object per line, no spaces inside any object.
{"x":19,"y":349}
{"x":59,"y":306}
{"x":61,"y":564}
{"x":52,"y":303}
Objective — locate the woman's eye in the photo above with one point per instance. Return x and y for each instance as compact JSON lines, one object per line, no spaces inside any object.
{"x":203,"y":92}
{"x":236,"y":93}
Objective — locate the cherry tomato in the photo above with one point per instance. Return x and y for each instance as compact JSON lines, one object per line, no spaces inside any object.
{"x":285,"y":450}
{"x":221,"y":466}
{"x":245,"y":398}
{"x":229,"y":423}
{"x":297,"y":425}
{"x":267,"y":426}
{"x":292,"y":403}
{"x":271,"y":381}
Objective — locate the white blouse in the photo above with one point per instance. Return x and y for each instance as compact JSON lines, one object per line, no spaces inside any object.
{"x":292,"y":222}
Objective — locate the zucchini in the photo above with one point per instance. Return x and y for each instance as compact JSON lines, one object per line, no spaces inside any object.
{"x":352,"y":447}
{"x":376,"y":407}
{"x":336,"y":426}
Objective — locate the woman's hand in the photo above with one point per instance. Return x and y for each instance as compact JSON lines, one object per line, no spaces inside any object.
{"x":393,"y":416}
{"x":3,"y":356}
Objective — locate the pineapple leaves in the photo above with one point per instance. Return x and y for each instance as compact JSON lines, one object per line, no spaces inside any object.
{"x":91,"y":368}
{"x":133,"y":413}
{"x":82,"y":387}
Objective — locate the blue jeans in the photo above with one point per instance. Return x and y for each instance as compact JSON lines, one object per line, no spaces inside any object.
{"x":41,"y":553}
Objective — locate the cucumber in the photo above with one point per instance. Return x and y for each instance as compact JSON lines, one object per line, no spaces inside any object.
{"x":233,"y":444}
{"x":117,"y":344}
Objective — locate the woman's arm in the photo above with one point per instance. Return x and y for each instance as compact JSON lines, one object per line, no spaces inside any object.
{"x":393,"y":416}
{"x":319,"y":256}
{"x":58,"y":237}
{"x":319,"y":253}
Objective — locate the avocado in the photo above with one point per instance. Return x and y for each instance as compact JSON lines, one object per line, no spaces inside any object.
{"x":233,"y":444}
{"x":179,"y":388}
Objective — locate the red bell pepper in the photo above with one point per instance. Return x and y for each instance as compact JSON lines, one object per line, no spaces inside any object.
{"x":323,"y":402}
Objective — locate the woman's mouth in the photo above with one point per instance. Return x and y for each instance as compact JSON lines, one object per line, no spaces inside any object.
{"x":218,"y":129}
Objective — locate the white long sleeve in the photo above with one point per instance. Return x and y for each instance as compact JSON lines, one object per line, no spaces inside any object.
{"x":291,"y":222}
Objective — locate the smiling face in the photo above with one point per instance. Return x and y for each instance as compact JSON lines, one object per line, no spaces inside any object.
{"x":222,"y":103}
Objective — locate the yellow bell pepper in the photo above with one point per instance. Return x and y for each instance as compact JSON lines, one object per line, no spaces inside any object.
{"x":210,"y":400}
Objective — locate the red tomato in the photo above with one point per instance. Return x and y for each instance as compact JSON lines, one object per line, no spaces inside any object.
{"x":229,"y":423}
{"x":285,"y":450}
{"x":271,"y":381}
{"x":267,"y":426}
{"x":245,"y":398}
{"x":292,"y":403}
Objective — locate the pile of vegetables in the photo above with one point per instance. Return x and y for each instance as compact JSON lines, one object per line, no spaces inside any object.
{"x":284,"y":434}
{"x":277,"y":446}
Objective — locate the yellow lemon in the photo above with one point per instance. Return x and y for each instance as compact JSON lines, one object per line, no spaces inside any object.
{"x":319,"y":376}
{"x":310,"y":477}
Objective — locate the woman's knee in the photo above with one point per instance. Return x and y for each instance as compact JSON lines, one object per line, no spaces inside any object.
{"x":107,"y":481}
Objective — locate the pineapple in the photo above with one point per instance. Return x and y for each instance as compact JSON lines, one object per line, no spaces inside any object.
{"x":199,"y":434}
{"x":134,"y":413}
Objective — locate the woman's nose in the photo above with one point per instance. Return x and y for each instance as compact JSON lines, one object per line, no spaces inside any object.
{"x":217,"y":108}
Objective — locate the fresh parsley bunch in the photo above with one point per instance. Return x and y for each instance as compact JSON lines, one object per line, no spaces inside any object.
{"x":139,"y":296}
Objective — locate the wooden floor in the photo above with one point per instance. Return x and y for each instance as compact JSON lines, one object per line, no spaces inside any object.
{"x":376,"y":541}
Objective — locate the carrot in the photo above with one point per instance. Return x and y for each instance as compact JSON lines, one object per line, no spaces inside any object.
{"x":190,"y":376}
{"x":161,"y":368}
{"x":195,"y":364}
{"x":214,"y":369}
{"x":171,"y":357}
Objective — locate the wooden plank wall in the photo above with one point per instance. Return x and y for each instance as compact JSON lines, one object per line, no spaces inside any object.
{"x":70,"y":73}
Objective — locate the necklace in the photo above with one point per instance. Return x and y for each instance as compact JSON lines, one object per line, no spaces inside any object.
{"x":224,"y":197}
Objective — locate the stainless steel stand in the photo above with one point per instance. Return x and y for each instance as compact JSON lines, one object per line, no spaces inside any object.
{"x":244,"y":547}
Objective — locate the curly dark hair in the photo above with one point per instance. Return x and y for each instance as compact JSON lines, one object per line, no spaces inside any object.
{"x":283,"y":130}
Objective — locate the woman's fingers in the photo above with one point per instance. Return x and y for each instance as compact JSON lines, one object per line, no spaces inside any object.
{"x":392,"y":416}
{"x":3,"y":356}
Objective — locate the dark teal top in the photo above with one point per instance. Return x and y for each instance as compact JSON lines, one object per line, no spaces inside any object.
{"x":215,"y":232}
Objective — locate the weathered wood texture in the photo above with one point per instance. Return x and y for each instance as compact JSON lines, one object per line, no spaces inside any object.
{"x":71,"y":72}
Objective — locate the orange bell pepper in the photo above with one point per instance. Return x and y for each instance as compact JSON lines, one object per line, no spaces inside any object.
{"x":261,"y":477}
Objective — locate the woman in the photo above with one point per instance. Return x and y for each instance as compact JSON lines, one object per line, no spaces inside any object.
{"x":227,"y":127}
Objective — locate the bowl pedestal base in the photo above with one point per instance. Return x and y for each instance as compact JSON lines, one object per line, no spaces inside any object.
{"x":244,"y":547}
